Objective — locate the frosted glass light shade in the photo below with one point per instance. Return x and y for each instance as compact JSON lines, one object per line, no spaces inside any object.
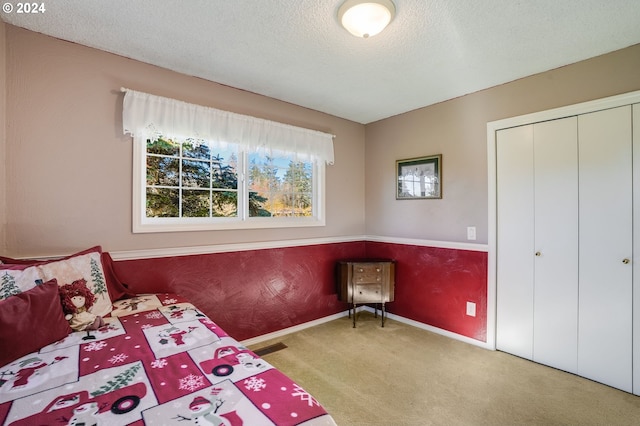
{"x":366,"y":18}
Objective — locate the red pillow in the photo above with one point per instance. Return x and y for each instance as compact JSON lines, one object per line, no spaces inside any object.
{"x":31,"y":320}
{"x":115,"y":287}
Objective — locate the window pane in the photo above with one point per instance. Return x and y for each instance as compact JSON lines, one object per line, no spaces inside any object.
{"x":264,"y":182}
{"x":163,"y":147}
{"x":195,"y":203}
{"x":162,"y":171}
{"x":224,"y":172}
{"x":162,"y":202}
{"x":297,"y":182}
{"x":224,"y":204}
{"x":192,"y":148}
{"x":195,"y":174}
{"x":280,"y":186}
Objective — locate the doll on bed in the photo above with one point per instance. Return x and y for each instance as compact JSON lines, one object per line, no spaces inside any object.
{"x":77,"y":299}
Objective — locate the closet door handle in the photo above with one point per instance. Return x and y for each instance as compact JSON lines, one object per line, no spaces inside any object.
{"x":538,"y":254}
{"x":626,"y":261}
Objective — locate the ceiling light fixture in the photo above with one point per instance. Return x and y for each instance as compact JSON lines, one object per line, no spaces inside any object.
{"x":366,"y":18}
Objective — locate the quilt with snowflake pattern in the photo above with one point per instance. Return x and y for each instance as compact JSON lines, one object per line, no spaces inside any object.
{"x":157,"y":361}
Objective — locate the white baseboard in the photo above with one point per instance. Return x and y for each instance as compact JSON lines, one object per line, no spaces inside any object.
{"x":436,"y":330}
{"x":300,"y":327}
{"x":289,"y":330}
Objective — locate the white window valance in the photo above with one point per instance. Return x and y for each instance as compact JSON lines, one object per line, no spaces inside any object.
{"x":150,"y":116}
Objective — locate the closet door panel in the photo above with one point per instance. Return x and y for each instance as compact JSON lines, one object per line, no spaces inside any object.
{"x":636,"y":247}
{"x":514,"y":316}
{"x":605,"y":299}
{"x":555,"y":313}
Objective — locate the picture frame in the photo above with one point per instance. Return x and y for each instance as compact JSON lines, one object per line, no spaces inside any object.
{"x":419,"y":178}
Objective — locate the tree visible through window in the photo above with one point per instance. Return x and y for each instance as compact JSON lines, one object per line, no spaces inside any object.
{"x":286,"y":186}
{"x":193,"y":180}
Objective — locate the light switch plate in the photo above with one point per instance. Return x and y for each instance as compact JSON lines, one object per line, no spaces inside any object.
{"x":471,"y":233}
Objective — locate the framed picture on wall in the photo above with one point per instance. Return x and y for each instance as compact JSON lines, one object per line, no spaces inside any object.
{"x":419,"y":178}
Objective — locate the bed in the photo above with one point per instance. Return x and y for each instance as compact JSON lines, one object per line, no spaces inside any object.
{"x":144,"y":359}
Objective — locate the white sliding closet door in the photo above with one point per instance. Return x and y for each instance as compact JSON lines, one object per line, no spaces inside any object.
{"x":636,"y":248}
{"x":514,"y":309}
{"x":537,"y":244}
{"x":567,"y":194}
{"x":555,"y":305}
{"x":605,"y":300}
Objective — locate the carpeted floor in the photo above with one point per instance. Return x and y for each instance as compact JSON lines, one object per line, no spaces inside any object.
{"x":403,"y":375}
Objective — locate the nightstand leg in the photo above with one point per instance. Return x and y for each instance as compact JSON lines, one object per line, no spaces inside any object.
{"x":354,"y":315}
{"x":382,"y":314}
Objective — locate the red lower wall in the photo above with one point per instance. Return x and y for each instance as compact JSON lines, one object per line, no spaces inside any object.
{"x":433,"y":286}
{"x":251,"y":293}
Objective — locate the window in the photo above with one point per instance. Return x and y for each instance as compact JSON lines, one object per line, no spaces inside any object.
{"x":199,"y":168}
{"x":195,"y":185}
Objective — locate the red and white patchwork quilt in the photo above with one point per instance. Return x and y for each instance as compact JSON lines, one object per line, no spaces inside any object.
{"x":157,"y":361}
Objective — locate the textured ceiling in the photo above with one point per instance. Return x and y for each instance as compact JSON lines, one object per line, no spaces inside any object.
{"x":296,"y":51}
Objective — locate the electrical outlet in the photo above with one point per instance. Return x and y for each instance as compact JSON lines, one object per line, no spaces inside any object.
{"x":471,"y":309}
{"x":471,"y":233}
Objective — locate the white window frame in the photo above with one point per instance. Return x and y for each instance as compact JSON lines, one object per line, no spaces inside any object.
{"x":143,"y":224}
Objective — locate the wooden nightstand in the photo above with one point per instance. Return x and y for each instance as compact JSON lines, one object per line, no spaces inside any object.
{"x":366,"y":281}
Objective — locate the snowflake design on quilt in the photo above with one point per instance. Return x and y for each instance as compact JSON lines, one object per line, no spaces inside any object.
{"x":169,"y":301}
{"x":154,"y":315}
{"x":95,"y":346}
{"x":159,"y":363}
{"x":304,"y":396}
{"x":254,"y":384}
{"x":118,"y":358}
{"x":191,"y":383}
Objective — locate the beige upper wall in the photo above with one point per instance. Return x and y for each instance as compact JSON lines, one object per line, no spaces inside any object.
{"x":457,"y":130}
{"x":69,"y":167}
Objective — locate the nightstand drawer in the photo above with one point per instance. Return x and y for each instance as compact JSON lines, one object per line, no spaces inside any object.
{"x":367,"y":293}
{"x":367,"y":273}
